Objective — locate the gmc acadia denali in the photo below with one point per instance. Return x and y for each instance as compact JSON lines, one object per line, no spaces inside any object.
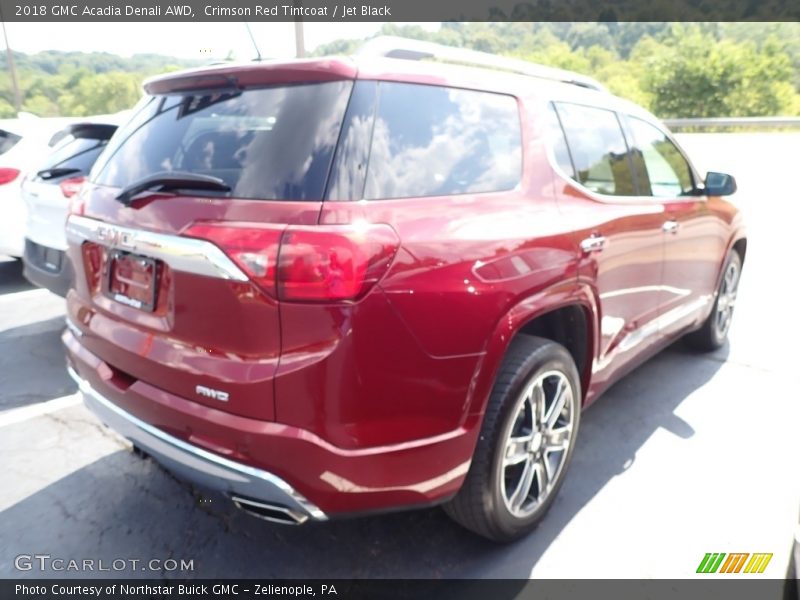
{"x":336,"y":286}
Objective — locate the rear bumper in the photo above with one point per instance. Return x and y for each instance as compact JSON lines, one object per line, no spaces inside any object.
{"x":265,"y":461}
{"x":196,"y":464}
{"x":47,"y":267}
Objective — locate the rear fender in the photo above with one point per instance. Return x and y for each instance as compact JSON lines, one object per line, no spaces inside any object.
{"x":559,"y":296}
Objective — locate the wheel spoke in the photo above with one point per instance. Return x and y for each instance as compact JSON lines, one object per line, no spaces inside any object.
{"x":557,"y":439}
{"x":543,"y":475}
{"x":516,"y":450}
{"x":732,"y":299}
{"x":730,"y":280}
{"x":536,"y":400}
{"x":558,"y":403}
{"x":523,"y":487}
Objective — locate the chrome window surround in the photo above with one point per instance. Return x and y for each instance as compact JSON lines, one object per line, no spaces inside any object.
{"x":188,"y":255}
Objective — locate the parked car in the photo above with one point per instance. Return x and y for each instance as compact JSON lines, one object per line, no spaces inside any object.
{"x":47,"y":190}
{"x":22,"y":141}
{"x":339,"y":286}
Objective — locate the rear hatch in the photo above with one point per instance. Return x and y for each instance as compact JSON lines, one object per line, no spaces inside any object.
{"x":58,"y":177}
{"x":179,"y":228}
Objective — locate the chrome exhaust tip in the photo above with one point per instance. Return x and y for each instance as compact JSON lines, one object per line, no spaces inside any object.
{"x":274,"y":513}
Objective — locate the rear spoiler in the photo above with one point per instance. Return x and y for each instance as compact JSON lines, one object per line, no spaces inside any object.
{"x":93,"y":131}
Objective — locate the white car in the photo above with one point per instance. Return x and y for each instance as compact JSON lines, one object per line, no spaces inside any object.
{"x":47,"y":190}
{"x":23,"y":142}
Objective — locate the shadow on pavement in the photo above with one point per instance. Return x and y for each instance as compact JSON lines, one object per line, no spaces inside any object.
{"x":33,"y":365}
{"x":11,"y":278}
{"x":121,"y":506}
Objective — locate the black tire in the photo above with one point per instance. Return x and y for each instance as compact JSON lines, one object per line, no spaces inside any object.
{"x":712,"y":334}
{"x":482,"y":503}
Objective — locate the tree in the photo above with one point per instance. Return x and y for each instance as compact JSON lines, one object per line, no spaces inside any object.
{"x":696,"y":78}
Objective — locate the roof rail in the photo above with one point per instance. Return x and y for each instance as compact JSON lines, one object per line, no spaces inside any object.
{"x":390,"y":46}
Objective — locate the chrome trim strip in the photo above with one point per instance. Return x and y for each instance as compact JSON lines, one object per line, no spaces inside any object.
{"x":248,"y":506}
{"x":188,"y":255}
{"x":189,"y":456}
{"x":73,"y":328}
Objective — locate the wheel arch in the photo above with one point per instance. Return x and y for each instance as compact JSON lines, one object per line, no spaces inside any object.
{"x":740,"y":247}
{"x":565,"y":314}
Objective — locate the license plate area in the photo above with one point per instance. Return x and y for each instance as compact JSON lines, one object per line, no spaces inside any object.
{"x":132,"y":280}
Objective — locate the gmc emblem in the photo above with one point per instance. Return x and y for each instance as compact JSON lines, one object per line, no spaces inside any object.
{"x":115,"y":237}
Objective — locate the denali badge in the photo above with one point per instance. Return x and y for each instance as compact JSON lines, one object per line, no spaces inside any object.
{"x":202,"y":390}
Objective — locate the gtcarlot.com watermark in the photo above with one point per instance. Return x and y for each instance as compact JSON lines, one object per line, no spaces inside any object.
{"x":49,"y":563}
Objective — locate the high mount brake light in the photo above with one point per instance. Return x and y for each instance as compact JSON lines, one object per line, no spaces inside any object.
{"x":190,"y":83}
{"x":324,"y":263}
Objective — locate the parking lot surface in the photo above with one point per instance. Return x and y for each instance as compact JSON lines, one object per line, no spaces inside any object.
{"x":689,"y":454}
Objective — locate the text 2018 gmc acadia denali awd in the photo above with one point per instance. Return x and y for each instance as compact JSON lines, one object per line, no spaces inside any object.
{"x":337,"y":286}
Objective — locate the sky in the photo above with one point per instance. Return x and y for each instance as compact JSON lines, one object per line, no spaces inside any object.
{"x":182,"y":40}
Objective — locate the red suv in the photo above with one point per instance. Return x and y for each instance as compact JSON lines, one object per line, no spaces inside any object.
{"x":337,"y":286}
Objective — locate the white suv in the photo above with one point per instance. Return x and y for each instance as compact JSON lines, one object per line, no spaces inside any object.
{"x":23,"y":141}
{"x":47,"y":190}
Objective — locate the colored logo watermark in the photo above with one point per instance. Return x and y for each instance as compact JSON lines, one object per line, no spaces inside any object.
{"x":742,"y":562}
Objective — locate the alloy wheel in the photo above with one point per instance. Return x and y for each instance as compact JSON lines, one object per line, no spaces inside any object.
{"x":726,"y":300}
{"x":537,"y":443}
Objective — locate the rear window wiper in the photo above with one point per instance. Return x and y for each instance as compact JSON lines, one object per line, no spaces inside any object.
{"x":56,"y":172}
{"x":172,"y":181}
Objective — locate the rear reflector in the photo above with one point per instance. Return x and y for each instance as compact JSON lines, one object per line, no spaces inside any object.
{"x":8,"y":175}
{"x":325,"y":263}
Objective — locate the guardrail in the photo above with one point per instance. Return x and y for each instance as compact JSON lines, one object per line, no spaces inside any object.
{"x":735,"y":123}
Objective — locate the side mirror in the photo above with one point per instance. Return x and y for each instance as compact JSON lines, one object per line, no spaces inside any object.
{"x":719,"y":184}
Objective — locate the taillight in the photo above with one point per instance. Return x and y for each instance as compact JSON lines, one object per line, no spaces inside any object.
{"x":7,"y":175}
{"x":70,"y":187}
{"x":254,"y":249}
{"x":325,"y":263}
{"x":333,"y":263}
{"x":77,"y":204}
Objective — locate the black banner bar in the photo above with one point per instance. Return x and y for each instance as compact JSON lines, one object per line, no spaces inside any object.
{"x":711,"y":588}
{"x":400,"y":10}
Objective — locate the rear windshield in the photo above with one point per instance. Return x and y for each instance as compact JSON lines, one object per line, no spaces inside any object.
{"x":270,"y":143}
{"x":77,"y":154}
{"x":7,"y":141}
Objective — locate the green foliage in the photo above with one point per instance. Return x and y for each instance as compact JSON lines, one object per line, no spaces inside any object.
{"x":674,"y":69}
{"x":690,"y":76}
{"x":101,"y":93}
{"x":79,"y":84}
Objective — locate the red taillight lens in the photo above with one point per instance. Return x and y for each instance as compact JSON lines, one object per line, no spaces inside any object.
{"x":326,"y":263}
{"x":70,"y":187}
{"x":254,"y":249}
{"x":77,"y":202}
{"x":8,"y":175}
{"x":319,"y":264}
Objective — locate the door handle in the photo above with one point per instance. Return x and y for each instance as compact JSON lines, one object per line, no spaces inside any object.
{"x":670,"y":226}
{"x":594,"y":243}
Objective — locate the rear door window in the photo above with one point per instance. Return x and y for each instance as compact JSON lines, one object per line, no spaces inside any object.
{"x":598,"y":148}
{"x":667,"y":174}
{"x":433,"y":141}
{"x":269,"y":143}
